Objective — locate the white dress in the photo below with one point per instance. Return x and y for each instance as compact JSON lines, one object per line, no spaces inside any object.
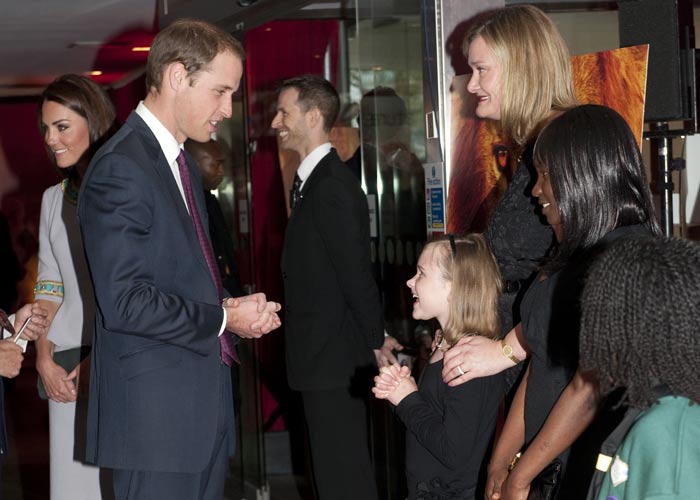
{"x":63,"y":277}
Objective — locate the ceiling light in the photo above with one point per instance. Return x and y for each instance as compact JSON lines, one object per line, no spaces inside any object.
{"x":95,"y":72}
{"x":140,"y":49}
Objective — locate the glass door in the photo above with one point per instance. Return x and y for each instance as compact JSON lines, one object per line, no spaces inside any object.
{"x":386,"y":81}
{"x":247,"y":478}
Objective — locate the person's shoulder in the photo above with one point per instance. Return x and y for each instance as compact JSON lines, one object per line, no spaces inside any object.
{"x":52,"y":195}
{"x":129,"y":145}
{"x":338,"y":170}
{"x":53,"y":191}
{"x":667,"y":406}
{"x":663,"y":420}
{"x":126,"y":139}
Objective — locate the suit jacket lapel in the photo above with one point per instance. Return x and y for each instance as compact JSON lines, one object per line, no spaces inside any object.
{"x":165,"y":174}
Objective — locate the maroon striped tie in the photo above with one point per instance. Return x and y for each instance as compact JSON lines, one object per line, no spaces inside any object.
{"x":228,"y":348}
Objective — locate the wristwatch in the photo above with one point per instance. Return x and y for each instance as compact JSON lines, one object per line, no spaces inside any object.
{"x":508,"y":352}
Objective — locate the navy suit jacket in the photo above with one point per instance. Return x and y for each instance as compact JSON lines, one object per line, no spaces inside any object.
{"x":157,"y":381}
{"x":333,"y":314}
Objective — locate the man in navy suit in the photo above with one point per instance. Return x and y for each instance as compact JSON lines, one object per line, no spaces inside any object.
{"x":160,"y":411}
{"x":333,"y":315}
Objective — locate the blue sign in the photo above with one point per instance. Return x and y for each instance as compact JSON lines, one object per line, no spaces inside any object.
{"x":437,"y":209}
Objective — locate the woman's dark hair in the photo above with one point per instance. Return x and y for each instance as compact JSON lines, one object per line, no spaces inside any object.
{"x":640,"y":317}
{"x":88,"y":99}
{"x":597,"y":176}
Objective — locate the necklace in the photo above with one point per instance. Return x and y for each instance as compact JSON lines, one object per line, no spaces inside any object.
{"x":70,"y":193}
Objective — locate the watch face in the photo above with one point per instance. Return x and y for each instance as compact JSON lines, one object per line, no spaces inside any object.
{"x":507,"y":350}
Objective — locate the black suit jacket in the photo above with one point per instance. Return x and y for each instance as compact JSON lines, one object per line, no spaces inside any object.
{"x":157,"y":380}
{"x":333,"y":314}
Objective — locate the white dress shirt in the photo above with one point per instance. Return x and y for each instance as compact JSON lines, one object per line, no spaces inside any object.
{"x":309,"y":163}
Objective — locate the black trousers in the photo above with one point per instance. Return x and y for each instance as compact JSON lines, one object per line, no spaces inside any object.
{"x":337,"y":424}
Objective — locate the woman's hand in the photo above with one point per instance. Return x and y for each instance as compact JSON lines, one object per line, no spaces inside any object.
{"x":80,"y":378}
{"x":475,"y":357}
{"x":494,"y":482}
{"x":511,"y":490}
{"x":58,"y":386}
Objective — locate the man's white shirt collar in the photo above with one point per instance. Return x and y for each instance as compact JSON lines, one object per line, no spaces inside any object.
{"x":168,"y":144}
{"x":309,"y":163}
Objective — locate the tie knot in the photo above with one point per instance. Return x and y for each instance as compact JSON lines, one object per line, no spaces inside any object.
{"x":181,"y":160}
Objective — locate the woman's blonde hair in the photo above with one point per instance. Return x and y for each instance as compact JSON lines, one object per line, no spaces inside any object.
{"x":536,"y":67}
{"x":468,"y":264}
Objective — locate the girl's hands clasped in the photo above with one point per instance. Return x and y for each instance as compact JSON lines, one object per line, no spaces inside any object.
{"x":394,"y":383}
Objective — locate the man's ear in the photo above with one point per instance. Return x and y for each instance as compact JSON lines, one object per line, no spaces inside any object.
{"x":175,"y":75}
{"x":315,"y":118}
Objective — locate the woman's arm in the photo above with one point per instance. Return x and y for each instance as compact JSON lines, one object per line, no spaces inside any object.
{"x":480,"y":357}
{"x":509,"y":442}
{"x":570,"y":416}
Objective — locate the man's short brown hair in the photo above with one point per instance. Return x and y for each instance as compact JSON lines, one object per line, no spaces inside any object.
{"x":193,"y":43}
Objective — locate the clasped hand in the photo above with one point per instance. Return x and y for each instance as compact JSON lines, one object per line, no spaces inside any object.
{"x":251,"y":316}
{"x":394,"y":383}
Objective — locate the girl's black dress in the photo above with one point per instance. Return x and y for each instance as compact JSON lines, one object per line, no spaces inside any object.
{"x":448,"y":432}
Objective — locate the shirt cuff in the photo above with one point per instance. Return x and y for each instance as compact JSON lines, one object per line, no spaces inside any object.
{"x":223,"y":324}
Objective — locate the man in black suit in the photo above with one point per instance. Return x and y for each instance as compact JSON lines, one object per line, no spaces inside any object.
{"x":160,"y":410}
{"x":333,"y":311}
{"x":210,"y":160}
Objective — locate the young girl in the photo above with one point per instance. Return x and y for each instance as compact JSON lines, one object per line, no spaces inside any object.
{"x":449,"y":428}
